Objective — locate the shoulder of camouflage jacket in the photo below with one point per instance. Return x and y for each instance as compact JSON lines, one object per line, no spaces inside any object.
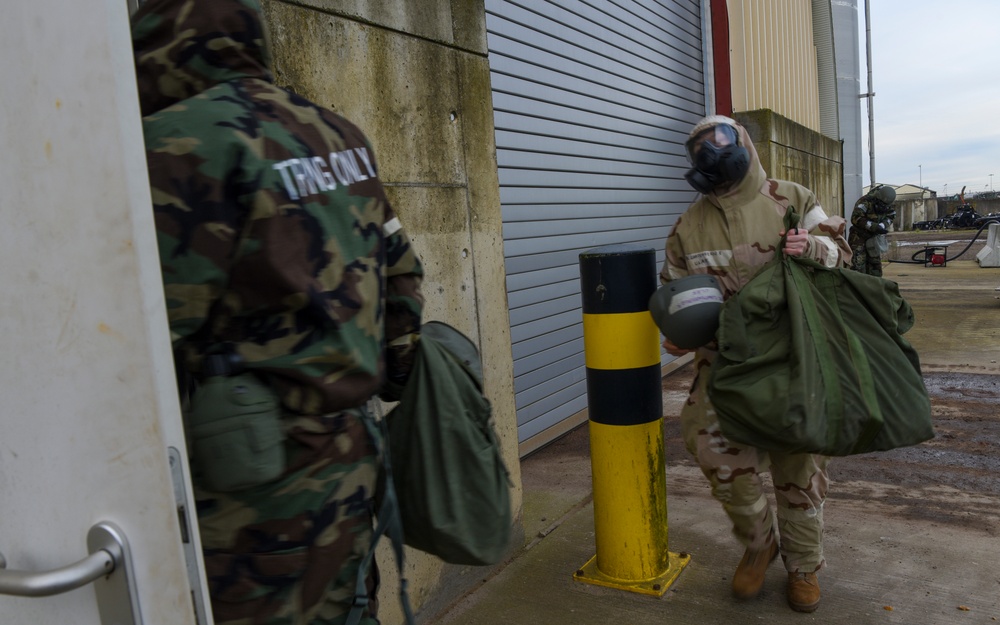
{"x":270,"y":211}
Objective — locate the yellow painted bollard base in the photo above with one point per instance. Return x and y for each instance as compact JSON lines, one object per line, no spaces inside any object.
{"x":655,"y":586}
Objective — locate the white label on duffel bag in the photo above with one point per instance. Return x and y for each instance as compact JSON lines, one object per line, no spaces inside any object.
{"x":694,"y":297}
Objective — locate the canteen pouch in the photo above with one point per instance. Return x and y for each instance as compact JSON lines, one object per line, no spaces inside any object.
{"x":235,"y":432}
{"x":877,"y":245}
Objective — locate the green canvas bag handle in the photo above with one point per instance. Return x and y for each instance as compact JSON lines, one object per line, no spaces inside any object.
{"x":834,"y":396}
{"x":389,"y":524}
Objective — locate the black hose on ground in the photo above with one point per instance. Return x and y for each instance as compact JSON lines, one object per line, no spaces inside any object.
{"x":927,"y":251}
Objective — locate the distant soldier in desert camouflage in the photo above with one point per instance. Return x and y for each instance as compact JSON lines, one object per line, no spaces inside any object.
{"x":735,"y":227}
{"x":280,"y":252}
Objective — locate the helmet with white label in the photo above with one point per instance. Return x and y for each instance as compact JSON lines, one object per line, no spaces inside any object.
{"x":687,"y":310}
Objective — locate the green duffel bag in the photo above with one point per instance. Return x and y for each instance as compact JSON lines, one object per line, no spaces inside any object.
{"x":813,"y":359}
{"x":450,"y":480}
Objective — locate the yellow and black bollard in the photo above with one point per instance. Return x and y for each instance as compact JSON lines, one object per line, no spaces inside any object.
{"x":625,"y":406}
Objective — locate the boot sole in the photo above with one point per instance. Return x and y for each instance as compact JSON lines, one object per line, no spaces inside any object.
{"x":798,"y":607}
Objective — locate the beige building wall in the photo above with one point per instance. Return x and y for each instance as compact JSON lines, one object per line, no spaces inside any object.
{"x":773,"y":59}
{"x":414,"y":76}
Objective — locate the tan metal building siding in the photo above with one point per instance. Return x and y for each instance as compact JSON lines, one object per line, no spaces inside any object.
{"x":773,"y":59}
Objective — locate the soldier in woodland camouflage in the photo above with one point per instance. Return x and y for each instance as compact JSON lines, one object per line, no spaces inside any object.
{"x":870,"y":221}
{"x":278,"y":245}
{"x":730,"y":231}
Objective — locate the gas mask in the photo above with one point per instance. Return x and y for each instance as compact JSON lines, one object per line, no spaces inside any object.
{"x":717,"y":159}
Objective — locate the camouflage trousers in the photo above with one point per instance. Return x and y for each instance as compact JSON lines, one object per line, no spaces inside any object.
{"x":864,"y":262}
{"x":734,"y":472}
{"x":287,"y":552}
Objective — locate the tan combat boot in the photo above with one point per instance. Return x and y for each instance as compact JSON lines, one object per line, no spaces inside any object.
{"x":803,"y":592}
{"x":749,"y":576}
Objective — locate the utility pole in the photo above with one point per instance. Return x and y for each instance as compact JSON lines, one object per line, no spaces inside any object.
{"x":870,"y":95}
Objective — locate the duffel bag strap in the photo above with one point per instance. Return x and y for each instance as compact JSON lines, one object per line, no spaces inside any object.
{"x":389,"y":524}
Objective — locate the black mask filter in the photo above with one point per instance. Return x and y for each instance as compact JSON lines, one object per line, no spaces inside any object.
{"x":717,"y":166}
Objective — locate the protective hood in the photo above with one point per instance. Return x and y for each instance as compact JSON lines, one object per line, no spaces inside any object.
{"x":183,"y":47}
{"x":744,"y":190}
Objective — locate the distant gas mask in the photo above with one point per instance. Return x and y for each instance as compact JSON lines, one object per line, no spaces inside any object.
{"x":717,"y":159}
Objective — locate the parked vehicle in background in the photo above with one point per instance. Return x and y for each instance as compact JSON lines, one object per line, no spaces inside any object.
{"x":980,"y":221}
{"x":965,"y":216}
{"x":932,"y":224}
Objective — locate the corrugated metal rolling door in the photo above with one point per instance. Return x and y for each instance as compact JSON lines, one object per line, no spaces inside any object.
{"x":593,"y":100}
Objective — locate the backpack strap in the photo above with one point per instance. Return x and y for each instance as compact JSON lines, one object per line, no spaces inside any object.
{"x":388,"y":524}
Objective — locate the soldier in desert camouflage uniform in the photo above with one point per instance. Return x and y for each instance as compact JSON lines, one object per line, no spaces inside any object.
{"x":734,"y":228}
{"x":277,"y":243}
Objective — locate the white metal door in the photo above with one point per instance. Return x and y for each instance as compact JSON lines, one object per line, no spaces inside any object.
{"x":89,"y":407}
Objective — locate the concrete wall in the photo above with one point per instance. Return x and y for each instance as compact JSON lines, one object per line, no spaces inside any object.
{"x":415,"y":77}
{"x":911,"y":208}
{"x":790,"y":151}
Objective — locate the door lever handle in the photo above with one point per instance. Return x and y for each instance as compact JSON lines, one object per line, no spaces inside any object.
{"x":57,"y":581}
{"x":110,"y":558}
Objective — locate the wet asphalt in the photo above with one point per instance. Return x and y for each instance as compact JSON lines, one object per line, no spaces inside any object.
{"x":912,"y":535}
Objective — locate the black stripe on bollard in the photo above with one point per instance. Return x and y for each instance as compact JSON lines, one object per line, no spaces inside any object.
{"x":624,"y":396}
{"x":617,"y":279}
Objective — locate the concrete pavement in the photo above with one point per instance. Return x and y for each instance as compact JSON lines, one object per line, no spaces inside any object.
{"x":899,"y":550}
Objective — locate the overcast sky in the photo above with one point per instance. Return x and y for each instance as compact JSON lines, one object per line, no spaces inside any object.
{"x":937,"y":93}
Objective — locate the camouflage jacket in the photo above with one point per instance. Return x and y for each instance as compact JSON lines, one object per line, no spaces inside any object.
{"x":730,"y":236}
{"x":276,"y":238}
{"x":870,"y":217}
